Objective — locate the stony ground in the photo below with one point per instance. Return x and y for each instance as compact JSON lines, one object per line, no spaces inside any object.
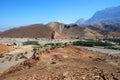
{"x":4,"y":48}
{"x":66,"y":63}
{"x":15,"y":56}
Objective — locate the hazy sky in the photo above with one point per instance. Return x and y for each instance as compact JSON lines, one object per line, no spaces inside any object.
{"x":24,"y":12}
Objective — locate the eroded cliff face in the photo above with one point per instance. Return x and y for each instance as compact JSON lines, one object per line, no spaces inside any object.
{"x":72,"y":30}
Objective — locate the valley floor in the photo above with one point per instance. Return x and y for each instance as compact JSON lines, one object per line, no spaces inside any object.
{"x":105,"y":51}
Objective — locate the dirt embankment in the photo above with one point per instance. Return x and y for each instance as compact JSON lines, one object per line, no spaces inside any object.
{"x":66,"y":63}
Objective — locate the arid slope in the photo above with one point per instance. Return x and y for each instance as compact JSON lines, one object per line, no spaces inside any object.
{"x":31,"y":31}
{"x":66,"y":63}
{"x":4,"y":48}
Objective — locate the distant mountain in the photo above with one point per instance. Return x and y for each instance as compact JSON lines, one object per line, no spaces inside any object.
{"x":80,"y":21}
{"x":107,"y":19}
{"x":109,"y":14}
{"x":3,"y":28}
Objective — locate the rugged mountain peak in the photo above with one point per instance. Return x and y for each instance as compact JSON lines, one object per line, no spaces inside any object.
{"x":106,"y":14}
{"x":80,"y":21}
{"x":107,"y":19}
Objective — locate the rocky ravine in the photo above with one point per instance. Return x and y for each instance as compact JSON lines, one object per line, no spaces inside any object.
{"x":66,"y":63}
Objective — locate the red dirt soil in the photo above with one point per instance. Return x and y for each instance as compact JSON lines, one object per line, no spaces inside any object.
{"x":66,"y":63}
{"x":4,"y":48}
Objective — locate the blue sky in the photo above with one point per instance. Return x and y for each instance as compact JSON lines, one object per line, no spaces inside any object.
{"x":24,"y":12}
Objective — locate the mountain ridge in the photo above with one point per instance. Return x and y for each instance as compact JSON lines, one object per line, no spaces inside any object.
{"x":45,"y":31}
{"x":105,"y":14}
{"x":107,"y":19}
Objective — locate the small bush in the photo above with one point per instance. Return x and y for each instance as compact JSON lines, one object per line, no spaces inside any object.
{"x":91,"y":43}
{"x":13,"y":44}
{"x":83,"y":43}
{"x":31,"y":43}
{"x":23,"y":57}
{"x":1,"y":55}
{"x":53,"y":44}
{"x":49,"y":44}
{"x":26,"y":52}
{"x":58,"y":44}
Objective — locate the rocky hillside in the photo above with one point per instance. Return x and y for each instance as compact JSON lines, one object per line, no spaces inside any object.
{"x":32,"y":31}
{"x":73,"y":30}
{"x":106,"y":30}
{"x":109,"y":19}
{"x":110,"y":14}
{"x":66,"y":63}
{"x":45,"y":31}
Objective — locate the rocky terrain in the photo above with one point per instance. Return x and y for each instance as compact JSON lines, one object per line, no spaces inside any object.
{"x":19,"y":51}
{"x":5,"y":49}
{"x":73,"y":30}
{"x":65,"y":63}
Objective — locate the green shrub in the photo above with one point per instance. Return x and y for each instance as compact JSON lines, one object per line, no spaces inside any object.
{"x":91,"y":43}
{"x":49,"y":44}
{"x":58,"y":44}
{"x":13,"y":44}
{"x":31,"y":43}
{"x":37,"y":46}
{"x":53,"y":44}
{"x":83,"y":43}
